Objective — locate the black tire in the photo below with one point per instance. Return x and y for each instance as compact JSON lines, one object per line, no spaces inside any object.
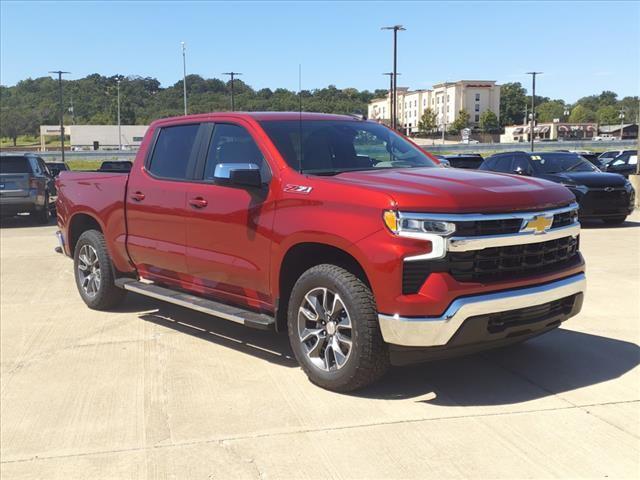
{"x":42,"y":216}
{"x":614,"y":220}
{"x":368,"y":355}
{"x":106,"y":295}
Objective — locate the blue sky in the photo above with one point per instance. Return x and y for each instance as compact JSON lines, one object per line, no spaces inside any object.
{"x":582,"y":47}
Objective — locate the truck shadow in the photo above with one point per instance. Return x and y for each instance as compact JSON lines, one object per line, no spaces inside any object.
{"x":557,"y":362}
{"x":597,"y":224}
{"x":265,"y":345}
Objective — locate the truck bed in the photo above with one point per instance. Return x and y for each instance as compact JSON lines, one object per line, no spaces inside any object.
{"x":101,"y":195}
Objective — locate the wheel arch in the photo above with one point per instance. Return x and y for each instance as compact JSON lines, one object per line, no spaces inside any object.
{"x":78,"y":224}
{"x":303,"y":256}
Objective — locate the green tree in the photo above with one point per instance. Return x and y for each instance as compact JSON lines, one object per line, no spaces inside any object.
{"x":581,"y":114}
{"x":548,"y":111}
{"x":512,"y":103}
{"x":608,"y":115}
{"x":461,"y":121}
{"x":14,"y":123}
{"x":489,"y":122}
{"x":428,"y":122}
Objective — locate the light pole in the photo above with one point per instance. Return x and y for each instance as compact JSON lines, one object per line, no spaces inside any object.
{"x":567,"y":112}
{"x":394,"y":106}
{"x":184,"y":75}
{"x":119,"y":131}
{"x":233,"y":75}
{"x":60,"y":73}
{"x":621,"y":117}
{"x":390,"y":74}
{"x":533,"y":104}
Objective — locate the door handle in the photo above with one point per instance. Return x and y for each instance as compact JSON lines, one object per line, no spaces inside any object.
{"x":137,"y":196}
{"x":198,"y":202}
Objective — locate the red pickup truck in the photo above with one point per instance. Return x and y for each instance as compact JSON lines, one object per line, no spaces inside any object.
{"x":334,"y":229}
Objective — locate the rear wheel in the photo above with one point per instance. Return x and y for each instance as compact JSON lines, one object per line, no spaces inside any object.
{"x":334,"y":331}
{"x":614,"y":220}
{"x":94,"y":272}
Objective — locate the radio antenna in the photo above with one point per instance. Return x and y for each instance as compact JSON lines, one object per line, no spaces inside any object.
{"x":300,"y":117}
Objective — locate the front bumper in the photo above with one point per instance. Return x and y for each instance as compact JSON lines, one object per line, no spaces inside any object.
{"x":438,"y":331}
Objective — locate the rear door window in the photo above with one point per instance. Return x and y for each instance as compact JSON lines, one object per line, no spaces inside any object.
{"x":174,"y":151}
{"x":14,"y":165}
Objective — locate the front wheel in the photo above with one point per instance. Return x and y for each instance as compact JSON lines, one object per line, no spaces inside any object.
{"x":614,"y":220}
{"x":94,"y":273}
{"x":334,"y":331}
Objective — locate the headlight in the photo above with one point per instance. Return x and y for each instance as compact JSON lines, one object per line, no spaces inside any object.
{"x":404,"y":223}
{"x":581,"y":188}
{"x":420,"y":227}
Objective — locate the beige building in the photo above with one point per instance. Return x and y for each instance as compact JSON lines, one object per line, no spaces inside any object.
{"x":88,"y":137}
{"x":549,"y":131}
{"x":445,"y":99}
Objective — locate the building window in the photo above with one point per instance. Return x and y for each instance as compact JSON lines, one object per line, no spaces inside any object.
{"x":477,"y":118}
{"x":477,"y":107}
{"x":448,"y":98}
{"x":477,"y":97}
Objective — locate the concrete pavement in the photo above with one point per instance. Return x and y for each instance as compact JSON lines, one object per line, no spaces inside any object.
{"x":156,"y":391}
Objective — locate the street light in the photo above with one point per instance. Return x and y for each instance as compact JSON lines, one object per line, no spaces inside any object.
{"x":621,"y":117}
{"x":60,"y":73}
{"x":119,"y":132}
{"x":233,"y":75}
{"x":394,"y":106}
{"x":184,"y":75}
{"x":390,"y":74}
{"x":533,"y":104}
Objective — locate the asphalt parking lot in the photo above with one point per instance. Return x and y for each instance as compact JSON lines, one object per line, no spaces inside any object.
{"x":156,"y":391}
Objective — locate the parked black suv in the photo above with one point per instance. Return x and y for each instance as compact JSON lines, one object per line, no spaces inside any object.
{"x":56,"y":167}
{"x":26,"y":185}
{"x":605,"y":196}
{"x":465,"y":160}
{"x":625,"y":164}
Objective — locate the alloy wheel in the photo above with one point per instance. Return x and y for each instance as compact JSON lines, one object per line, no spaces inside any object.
{"x":324,"y":329}
{"x":89,"y":270}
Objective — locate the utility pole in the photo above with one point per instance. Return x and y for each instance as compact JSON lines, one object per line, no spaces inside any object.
{"x":533,"y":104}
{"x":621,"y":117}
{"x":232,"y":75}
{"x":184,"y":75}
{"x":72,"y":112}
{"x":119,"y":131}
{"x":60,"y":73}
{"x":394,"y":106}
{"x":390,"y":74}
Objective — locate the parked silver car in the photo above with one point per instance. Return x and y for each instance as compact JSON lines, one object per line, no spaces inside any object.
{"x":26,"y":186}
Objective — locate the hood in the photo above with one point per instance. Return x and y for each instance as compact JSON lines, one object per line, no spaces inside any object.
{"x":590,"y":179}
{"x":453,"y":190}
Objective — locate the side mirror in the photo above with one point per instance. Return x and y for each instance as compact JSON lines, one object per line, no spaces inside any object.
{"x":241,"y":174}
{"x":521,"y":171}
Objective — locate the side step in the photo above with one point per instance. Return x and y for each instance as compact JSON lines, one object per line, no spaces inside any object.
{"x":235,"y":314}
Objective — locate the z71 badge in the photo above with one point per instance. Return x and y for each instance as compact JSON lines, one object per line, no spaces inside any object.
{"x":305,"y":190}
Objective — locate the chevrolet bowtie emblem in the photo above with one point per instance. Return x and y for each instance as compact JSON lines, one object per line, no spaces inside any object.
{"x":538,"y":224}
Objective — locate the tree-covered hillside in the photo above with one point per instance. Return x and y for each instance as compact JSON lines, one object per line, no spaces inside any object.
{"x":93,"y":100}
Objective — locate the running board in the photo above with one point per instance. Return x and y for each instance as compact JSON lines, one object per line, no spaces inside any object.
{"x":234,"y":314}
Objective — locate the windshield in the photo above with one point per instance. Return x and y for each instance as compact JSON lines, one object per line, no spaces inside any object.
{"x":560,"y":162}
{"x":330,"y":147}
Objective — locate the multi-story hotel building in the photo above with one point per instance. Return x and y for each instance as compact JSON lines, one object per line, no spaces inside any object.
{"x":445,"y":99}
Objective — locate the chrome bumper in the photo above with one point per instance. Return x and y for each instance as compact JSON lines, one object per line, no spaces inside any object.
{"x":434,"y":331}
